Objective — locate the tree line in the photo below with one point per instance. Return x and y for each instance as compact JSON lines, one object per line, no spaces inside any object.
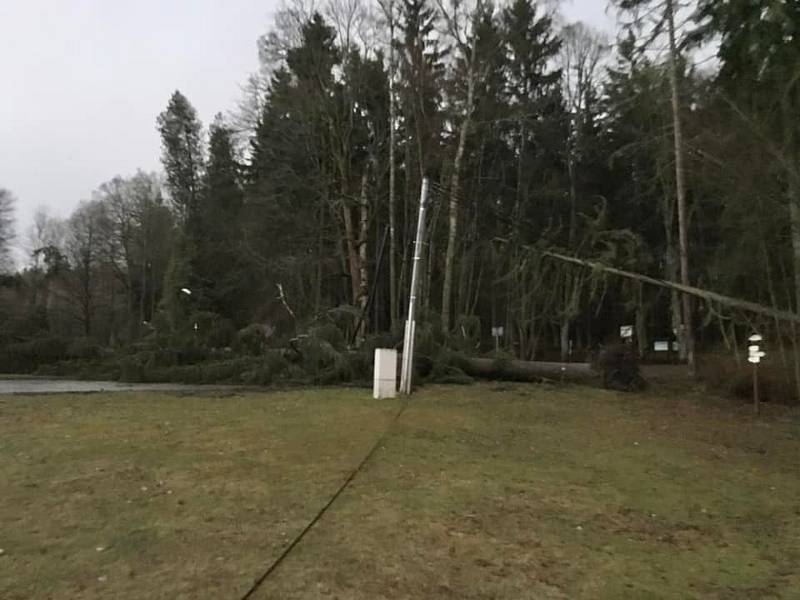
{"x":537,"y":136}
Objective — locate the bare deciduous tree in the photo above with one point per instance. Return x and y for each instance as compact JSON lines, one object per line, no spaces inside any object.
{"x":7,"y":233}
{"x":461,"y":20}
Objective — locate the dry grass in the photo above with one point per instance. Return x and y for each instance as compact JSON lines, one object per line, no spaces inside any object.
{"x":188,"y":497}
{"x":504,"y":491}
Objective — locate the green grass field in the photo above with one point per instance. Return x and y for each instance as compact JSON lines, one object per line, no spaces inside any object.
{"x":489,"y":491}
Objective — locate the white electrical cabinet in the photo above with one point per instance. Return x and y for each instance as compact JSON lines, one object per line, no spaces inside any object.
{"x":385,"y":383}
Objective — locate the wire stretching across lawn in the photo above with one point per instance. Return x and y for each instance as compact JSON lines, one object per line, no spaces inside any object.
{"x":288,"y":550}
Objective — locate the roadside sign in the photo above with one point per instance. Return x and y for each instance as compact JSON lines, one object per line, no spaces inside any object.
{"x":755,"y":354}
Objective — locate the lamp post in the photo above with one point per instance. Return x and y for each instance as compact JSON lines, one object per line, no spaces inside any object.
{"x":755,"y":354}
{"x":187,"y":292}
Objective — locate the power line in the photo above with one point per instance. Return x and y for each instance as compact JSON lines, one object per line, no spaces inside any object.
{"x":299,"y":537}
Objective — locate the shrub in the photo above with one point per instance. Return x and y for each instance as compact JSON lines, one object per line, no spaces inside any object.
{"x":213,"y":330}
{"x":179,"y":356}
{"x":467,"y":336}
{"x":83,"y":348}
{"x":330,"y":333}
{"x":89,"y":370}
{"x":619,"y":366}
{"x":27,"y":356}
{"x":722,"y":374}
{"x":251,"y":340}
{"x":449,"y":374}
{"x":380,"y":340}
{"x":32,"y":323}
{"x":134,"y":368}
{"x":428,"y":341}
{"x":265,"y":371}
{"x":361,"y":365}
{"x":320,"y":360}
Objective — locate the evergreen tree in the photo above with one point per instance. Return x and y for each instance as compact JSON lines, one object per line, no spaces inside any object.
{"x":218,"y":265}
{"x":182,"y":159}
{"x":291,"y":177}
{"x":181,"y":156}
{"x":759,"y":51}
{"x":422,"y":71}
{"x":534,"y":100}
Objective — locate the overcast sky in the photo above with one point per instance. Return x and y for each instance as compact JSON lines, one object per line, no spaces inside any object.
{"x":82,"y":81}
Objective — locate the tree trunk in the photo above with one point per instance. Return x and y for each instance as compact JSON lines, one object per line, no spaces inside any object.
{"x":520,"y":370}
{"x":352,"y":253}
{"x":794,"y":219}
{"x":320,"y":255}
{"x":569,"y":300}
{"x":145,"y":261}
{"x":773,"y":296}
{"x":680,"y":183}
{"x":363,"y":290}
{"x":406,"y":240}
{"x":452,"y":232}
{"x":707,"y":295}
{"x":573,"y":202}
{"x":564,"y":340}
{"x":520,"y":177}
{"x":393,"y":306}
{"x":339,"y":240}
{"x":641,"y":321}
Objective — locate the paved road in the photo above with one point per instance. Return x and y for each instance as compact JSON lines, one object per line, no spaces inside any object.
{"x":64,"y":386}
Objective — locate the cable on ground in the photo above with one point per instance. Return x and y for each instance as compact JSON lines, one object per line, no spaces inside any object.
{"x":288,"y":550}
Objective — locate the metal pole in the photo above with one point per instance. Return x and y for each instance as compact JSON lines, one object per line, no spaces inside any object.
{"x":407,"y":368}
{"x":756,"y":400}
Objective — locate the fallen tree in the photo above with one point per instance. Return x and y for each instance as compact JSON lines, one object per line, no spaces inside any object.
{"x":774,"y":313}
{"x":520,"y":370}
{"x":615,"y":367}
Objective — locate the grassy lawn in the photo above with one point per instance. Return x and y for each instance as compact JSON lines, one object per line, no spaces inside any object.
{"x":490,"y":491}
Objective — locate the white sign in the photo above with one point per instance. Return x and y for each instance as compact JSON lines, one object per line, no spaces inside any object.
{"x":498,"y":331}
{"x":661,"y":346}
{"x":755,"y":354}
{"x":626,"y":332}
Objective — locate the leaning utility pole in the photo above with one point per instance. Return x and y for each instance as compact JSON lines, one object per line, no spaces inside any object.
{"x":407,"y":366}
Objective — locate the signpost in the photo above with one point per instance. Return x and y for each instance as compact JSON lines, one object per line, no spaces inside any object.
{"x":661,"y":346}
{"x":497,"y":333}
{"x":755,"y":354}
